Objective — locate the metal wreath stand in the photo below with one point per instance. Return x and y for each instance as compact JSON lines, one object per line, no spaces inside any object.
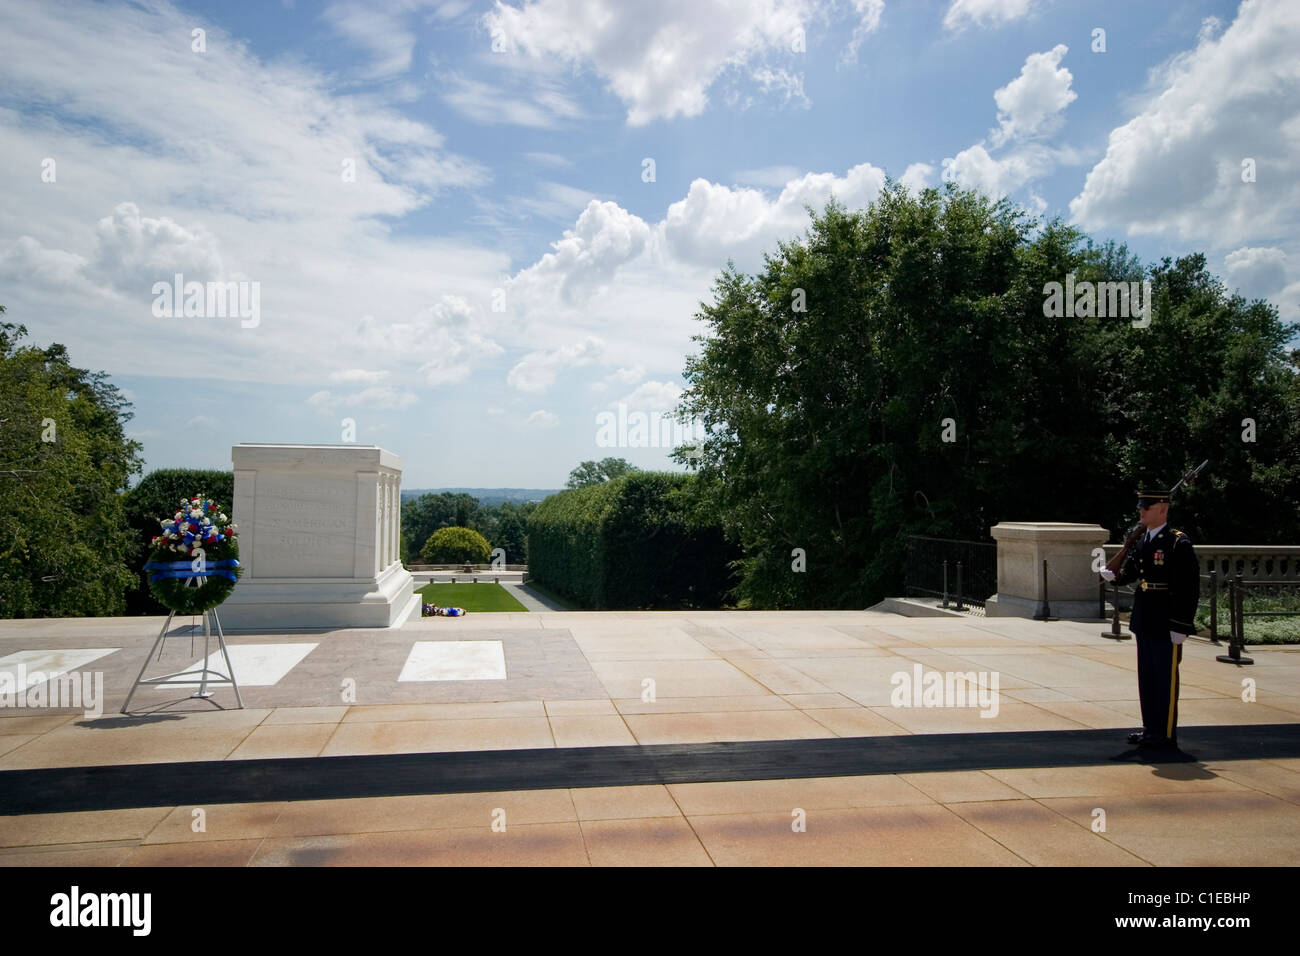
{"x":210,"y":623}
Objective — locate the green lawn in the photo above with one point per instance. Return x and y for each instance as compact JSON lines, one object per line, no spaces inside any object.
{"x":472,"y":597}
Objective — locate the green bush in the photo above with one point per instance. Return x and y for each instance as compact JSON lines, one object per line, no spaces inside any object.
{"x":456,"y":546}
{"x":629,"y":543}
{"x":155,"y":498}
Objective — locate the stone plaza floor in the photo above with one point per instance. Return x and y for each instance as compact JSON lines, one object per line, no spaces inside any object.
{"x":798,"y":686}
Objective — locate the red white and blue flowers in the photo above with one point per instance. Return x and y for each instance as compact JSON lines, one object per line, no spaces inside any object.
{"x":199,"y":523}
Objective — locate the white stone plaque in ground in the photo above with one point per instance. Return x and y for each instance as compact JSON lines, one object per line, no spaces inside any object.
{"x":318,"y":539}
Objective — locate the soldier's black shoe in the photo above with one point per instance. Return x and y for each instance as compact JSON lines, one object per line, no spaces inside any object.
{"x":1137,"y":736}
{"x":1158,"y":743}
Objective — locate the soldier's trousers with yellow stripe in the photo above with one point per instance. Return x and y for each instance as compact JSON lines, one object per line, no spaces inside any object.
{"x":1158,"y":660}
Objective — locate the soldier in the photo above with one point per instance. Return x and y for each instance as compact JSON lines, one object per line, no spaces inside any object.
{"x":1164,"y":567}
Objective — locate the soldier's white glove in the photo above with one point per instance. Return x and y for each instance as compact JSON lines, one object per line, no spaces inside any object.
{"x":1107,"y":574}
{"x":1176,"y":637}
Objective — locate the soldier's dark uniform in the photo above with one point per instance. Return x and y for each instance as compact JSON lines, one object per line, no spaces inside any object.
{"x":1166,"y":580}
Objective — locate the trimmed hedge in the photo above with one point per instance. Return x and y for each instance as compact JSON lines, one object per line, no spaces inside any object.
{"x":629,"y":544}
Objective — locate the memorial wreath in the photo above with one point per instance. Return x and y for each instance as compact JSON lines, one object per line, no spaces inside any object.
{"x":205,"y":539}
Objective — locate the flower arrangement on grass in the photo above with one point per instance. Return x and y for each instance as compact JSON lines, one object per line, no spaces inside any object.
{"x":195,"y":560}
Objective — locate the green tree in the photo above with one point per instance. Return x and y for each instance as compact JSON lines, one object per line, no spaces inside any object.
{"x":456,"y":546}
{"x":592,"y":472}
{"x":429,"y":512}
{"x":64,"y":460}
{"x":893,"y":373}
{"x":510,"y":530}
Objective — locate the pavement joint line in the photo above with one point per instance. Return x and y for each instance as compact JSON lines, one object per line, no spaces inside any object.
{"x":65,"y":847}
{"x":197,"y":783}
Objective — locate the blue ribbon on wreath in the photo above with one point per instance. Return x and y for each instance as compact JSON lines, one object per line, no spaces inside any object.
{"x":185,"y":569}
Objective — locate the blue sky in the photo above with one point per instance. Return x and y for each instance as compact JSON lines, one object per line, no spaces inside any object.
{"x":498,"y":271}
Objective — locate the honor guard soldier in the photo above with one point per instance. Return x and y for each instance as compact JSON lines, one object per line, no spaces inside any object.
{"x":1166,"y":580}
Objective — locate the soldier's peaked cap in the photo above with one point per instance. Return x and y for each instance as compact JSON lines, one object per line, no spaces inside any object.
{"x":1146,"y":498}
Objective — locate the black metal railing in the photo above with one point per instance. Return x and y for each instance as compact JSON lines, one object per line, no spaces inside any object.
{"x":956,"y":572}
{"x":1238,"y":588}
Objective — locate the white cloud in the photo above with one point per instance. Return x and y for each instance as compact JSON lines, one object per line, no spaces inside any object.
{"x":604,"y":237}
{"x":1262,"y":273}
{"x":917,"y":176}
{"x":1176,"y":167}
{"x":975,"y":168}
{"x":134,"y":251}
{"x":868,"y":17}
{"x":962,"y":13}
{"x":659,"y":58}
{"x":247,"y":185}
{"x":542,"y":419}
{"x":537,"y":371}
{"x":556,"y":200}
{"x":1031,"y":104}
{"x":378,"y":30}
{"x":654,"y":396}
{"x":518,"y":105}
{"x":715,"y":222}
{"x":380,"y":396}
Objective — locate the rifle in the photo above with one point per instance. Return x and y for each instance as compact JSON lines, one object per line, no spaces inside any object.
{"x":1135,"y":532}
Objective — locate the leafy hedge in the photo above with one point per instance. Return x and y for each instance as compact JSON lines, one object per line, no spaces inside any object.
{"x":155,"y":498}
{"x":629,"y":543}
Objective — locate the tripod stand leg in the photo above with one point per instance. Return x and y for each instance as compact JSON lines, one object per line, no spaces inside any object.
{"x":230,"y":668}
{"x":157,"y":645}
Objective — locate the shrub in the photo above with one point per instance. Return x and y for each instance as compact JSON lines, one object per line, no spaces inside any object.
{"x":456,"y":546}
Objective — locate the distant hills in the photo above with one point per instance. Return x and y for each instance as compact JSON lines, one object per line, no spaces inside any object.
{"x":486,"y":496}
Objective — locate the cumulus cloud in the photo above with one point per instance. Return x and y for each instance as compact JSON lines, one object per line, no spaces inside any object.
{"x":537,"y":371}
{"x":1256,"y":271}
{"x":714,"y":222}
{"x":974,"y":167}
{"x":25,"y":258}
{"x":1263,"y":273}
{"x":604,"y":237}
{"x":964,"y":13}
{"x":1181,"y":165}
{"x":1032,"y":103}
{"x":655,"y":396}
{"x":660,"y":59}
{"x":917,"y":176}
{"x":133,"y":251}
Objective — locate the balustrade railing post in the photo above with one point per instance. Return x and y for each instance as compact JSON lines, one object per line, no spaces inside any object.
{"x":1237,"y":641}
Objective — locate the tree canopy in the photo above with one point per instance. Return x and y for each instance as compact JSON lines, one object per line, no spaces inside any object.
{"x":893,"y":373}
{"x":594,"y":472}
{"x":64,"y":461}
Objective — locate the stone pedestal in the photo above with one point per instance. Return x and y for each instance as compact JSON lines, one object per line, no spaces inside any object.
{"x":1072,"y":584}
{"x":318,"y":539}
